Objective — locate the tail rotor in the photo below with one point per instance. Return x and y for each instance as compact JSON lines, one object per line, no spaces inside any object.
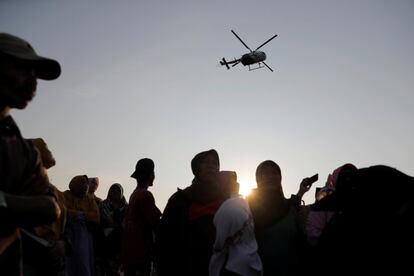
{"x":224,"y":62}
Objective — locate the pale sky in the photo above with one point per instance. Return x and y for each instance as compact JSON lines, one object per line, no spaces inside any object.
{"x":142,"y":79}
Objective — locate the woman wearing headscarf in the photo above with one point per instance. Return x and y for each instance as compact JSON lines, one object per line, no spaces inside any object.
{"x":371,"y":232}
{"x":187,"y":234}
{"x":317,"y":220}
{"x":235,"y":247}
{"x":82,"y":211}
{"x":112,"y":211}
{"x":278,"y":225}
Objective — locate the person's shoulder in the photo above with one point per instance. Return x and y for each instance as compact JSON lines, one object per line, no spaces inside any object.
{"x":180,"y":194}
{"x":294,"y":201}
{"x":147,"y":194}
{"x":67,"y":195}
{"x":178,"y":203}
{"x":9,"y":127}
{"x":240,"y":201}
{"x":92,"y":199}
{"x":179,"y":198}
{"x":141,"y":194}
{"x":98,"y":200}
{"x":235,"y":205}
{"x":254,"y":198}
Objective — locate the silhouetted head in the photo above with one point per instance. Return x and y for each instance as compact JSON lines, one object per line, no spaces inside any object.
{"x":20,"y":67}
{"x":144,"y":172}
{"x":372,"y":187}
{"x":47,"y":157}
{"x":341,"y":175}
{"x":268,"y":175}
{"x":228,"y":183}
{"x":206,"y":165}
{"x":380,"y":189}
{"x":93,"y":184}
{"x":79,"y":185}
{"x":115,"y":193}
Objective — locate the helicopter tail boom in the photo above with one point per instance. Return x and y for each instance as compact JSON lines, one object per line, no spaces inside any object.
{"x":234,"y":62}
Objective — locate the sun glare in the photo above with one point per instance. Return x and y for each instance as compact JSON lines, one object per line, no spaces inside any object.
{"x":246,"y":187}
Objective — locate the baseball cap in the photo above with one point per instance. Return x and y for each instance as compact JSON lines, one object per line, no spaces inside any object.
{"x":144,"y":165}
{"x":17,"y":48}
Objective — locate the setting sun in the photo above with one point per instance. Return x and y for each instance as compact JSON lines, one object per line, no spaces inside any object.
{"x":246,"y":187}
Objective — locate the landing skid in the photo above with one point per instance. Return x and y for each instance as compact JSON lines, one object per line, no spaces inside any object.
{"x":255,"y":68}
{"x":261,"y":65}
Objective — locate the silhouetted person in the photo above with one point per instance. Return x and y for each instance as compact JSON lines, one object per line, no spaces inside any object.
{"x":140,"y":223}
{"x":187,"y":233}
{"x":113,"y":211}
{"x":83,"y":214}
{"x":235,"y":247}
{"x":317,"y":220}
{"x":96,"y":229}
{"x":93,"y":186}
{"x":371,"y":232}
{"x":279,"y":231}
{"x":44,"y":246}
{"x":25,"y":195}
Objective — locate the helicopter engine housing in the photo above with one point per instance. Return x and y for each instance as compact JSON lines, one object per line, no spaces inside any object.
{"x":253,"y":57}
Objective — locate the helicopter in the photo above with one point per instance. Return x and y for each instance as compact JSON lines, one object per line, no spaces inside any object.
{"x":254,"y":57}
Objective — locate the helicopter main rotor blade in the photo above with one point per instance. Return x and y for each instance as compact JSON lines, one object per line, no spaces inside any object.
{"x":267,"y":66}
{"x":241,"y":41}
{"x":266,"y":42}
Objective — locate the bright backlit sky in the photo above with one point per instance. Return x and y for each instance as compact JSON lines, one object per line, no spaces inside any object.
{"x":141,"y":79}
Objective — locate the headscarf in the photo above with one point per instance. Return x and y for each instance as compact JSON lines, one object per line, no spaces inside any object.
{"x":199,"y":158}
{"x":340,"y":174}
{"x":228,"y":182}
{"x":76,"y":185}
{"x":198,"y":191}
{"x":114,"y":186}
{"x":117,"y":185}
{"x":93,"y":183}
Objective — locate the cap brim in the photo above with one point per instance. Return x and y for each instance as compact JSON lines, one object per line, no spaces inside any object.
{"x":17,"y":48}
{"x":46,"y":69}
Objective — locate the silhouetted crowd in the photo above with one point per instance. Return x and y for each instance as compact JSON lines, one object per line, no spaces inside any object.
{"x":361,"y":223}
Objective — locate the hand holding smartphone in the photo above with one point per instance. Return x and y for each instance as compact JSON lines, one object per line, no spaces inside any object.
{"x":313,"y":179}
{"x":310,"y":180}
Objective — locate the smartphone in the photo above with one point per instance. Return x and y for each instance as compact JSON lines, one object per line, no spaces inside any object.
{"x":313,"y":179}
